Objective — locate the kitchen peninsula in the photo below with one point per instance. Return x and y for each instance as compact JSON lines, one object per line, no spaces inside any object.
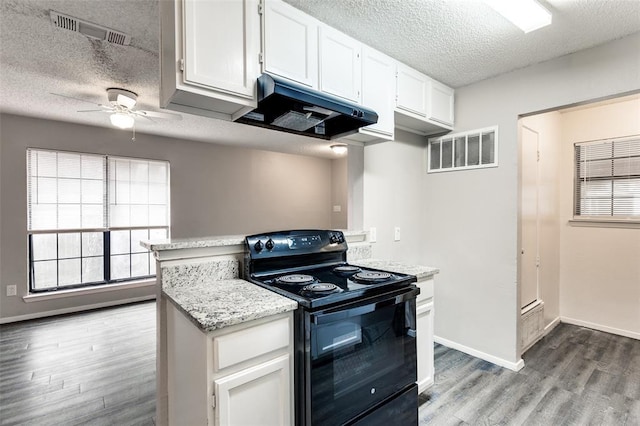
{"x":223,"y":341}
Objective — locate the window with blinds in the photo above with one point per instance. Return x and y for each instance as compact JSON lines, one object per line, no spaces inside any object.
{"x":88,"y":213}
{"x":607,"y":179}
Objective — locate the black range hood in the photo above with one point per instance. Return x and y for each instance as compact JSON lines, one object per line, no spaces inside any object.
{"x":290,"y":107}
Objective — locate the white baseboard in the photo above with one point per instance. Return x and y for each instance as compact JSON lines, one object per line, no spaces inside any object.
{"x":549,"y":327}
{"x":74,"y":309}
{"x":515,"y":366}
{"x":600,"y":327}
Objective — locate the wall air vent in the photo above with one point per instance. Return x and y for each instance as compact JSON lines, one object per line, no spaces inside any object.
{"x":87,"y":28}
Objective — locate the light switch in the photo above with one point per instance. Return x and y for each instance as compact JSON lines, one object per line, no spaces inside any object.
{"x":396,"y":234}
{"x":373,"y":235}
{"x":337,"y":208}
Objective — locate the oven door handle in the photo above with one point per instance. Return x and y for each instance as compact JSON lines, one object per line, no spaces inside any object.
{"x":366,"y":306}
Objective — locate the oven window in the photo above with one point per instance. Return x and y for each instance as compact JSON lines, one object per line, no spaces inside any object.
{"x":359,"y":360}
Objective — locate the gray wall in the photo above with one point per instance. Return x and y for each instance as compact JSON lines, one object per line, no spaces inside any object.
{"x":339,"y":193}
{"x":467,"y":221}
{"x":215,"y":190}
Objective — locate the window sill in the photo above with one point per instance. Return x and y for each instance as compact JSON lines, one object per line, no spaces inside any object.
{"x":605,"y":223}
{"x":39,"y":297}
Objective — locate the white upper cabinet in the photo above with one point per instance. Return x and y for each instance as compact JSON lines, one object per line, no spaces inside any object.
{"x":290,"y":43}
{"x":423,"y":106}
{"x":378,"y":94}
{"x":441,"y":102}
{"x":411,"y":91}
{"x":209,"y":56}
{"x":340,"y":64}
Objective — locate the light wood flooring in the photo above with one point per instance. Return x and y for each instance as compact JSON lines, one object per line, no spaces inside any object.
{"x":98,"y":368}
{"x":573,"y":376}
{"x":95,"y":368}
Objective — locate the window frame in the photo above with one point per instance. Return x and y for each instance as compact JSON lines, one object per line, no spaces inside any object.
{"x":610,"y":218}
{"x":465,"y":135}
{"x":106,"y":230}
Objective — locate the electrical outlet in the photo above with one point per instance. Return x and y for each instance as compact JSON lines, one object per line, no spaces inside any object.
{"x":373,"y":235}
{"x":396,"y":234}
{"x":337,"y":208}
{"x":12,"y":290}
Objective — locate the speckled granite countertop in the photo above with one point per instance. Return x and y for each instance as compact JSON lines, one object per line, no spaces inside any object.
{"x":421,"y":272}
{"x":218,"y":304}
{"x":185,"y":243}
{"x":214,"y":241}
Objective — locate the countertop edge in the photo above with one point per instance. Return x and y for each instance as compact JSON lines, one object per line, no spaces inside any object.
{"x":281,"y":304}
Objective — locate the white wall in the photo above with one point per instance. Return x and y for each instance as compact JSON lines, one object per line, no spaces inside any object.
{"x":549,"y":128}
{"x":215,"y":190}
{"x":600,"y":266}
{"x":339,"y":193}
{"x":392,"y":186}
{"x":467,"y":221}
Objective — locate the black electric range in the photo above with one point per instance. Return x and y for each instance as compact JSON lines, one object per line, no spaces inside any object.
{"x":310,"y":267}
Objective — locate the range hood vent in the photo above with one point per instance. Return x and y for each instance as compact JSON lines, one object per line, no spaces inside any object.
{"x":292,"y":108}
{"x":70,"y":23}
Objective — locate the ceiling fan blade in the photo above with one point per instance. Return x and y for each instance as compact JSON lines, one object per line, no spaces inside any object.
{"x":157,"y":114}
{"x":94,"y":110}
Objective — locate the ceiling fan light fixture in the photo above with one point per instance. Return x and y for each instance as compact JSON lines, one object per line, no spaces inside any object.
{"x":122,"y":121}
{"x":528,"y":15}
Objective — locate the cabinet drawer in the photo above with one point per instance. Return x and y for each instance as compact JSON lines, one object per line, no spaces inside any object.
{"x":426,"y":290}
{"x":231,"y":349}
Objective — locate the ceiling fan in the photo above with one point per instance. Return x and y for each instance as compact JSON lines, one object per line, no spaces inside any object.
{"x":121,"y":108}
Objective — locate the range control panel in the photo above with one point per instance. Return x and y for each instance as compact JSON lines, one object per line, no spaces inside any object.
{"x":288,"y":243}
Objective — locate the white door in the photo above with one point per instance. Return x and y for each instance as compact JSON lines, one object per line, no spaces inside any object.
{"x":440,"y":102}
{"x":222,"y":45}
{"x":378,"y":88}
{"x":411,"y":91}
{"x":424,"y":345}
{"x":529,"y":254}
{"x":290,"y":43}
{"x":340,"y":64}
{"x":259,"y":395}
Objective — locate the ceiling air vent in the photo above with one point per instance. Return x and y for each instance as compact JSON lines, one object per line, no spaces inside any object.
{"x":87,"y":28}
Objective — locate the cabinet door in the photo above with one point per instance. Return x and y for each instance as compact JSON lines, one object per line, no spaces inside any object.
{"x":221,"y":45}
{"x":290,"y":43}
{"x":260,"y":395}
{"x":411,"y":91}
{"x":378,"y":88}
{"x":440,"y":102}
{"x":424,"y":343}
{"x":340,"y":64}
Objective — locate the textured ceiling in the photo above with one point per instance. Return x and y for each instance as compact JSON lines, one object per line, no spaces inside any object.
{"x":456,"y":42}
{"x":459,"y":42}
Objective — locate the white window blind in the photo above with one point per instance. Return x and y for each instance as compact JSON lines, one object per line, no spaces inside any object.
{"x":607,"y":178}
{"x":87,"y":214}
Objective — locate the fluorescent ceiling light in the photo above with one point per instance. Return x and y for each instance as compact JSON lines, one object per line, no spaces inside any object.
{"x":528,"y":15}
{"x":339,"y":148}
{"x":123,"y":121}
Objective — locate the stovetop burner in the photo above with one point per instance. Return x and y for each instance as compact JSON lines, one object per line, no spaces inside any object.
{"x":325,"y":288}
{"x":295,"y":279}
{"x":372,"y":276}
{"x":346,"y":270}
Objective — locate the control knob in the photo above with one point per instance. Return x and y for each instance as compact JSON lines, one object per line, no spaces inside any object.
{"x":333,"y":239}
{"x":270,"y":244}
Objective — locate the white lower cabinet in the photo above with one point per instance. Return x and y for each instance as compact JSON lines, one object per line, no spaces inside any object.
{"x":241,"y":375}
{"x":258,"y":395}
{"x":424,"y":339}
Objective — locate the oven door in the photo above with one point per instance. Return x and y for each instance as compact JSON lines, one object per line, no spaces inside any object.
{"x":359,"y":355}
